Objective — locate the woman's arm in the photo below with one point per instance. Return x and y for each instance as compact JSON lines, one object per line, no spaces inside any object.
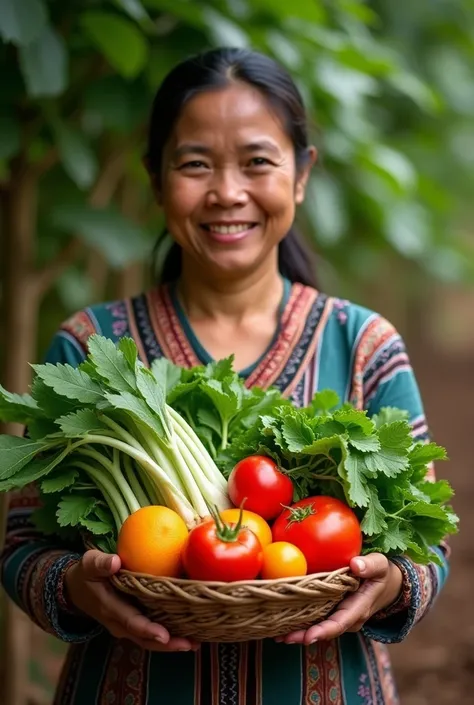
{"x":389,"y":380}
{"x":32,"y":566}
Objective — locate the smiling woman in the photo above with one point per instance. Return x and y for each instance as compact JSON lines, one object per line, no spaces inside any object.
{"x":229,"y":160}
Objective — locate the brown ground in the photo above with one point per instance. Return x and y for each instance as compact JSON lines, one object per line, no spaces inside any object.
{"x":435,"y":666}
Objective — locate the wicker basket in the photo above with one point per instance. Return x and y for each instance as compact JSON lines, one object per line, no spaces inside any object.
{"x":239,"y":611}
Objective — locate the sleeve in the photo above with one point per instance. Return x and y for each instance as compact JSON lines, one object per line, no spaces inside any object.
{"x":32,"y":566}
{"x":388,"y":380}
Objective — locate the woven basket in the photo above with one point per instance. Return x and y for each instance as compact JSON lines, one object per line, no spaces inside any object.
{"x":239,"y":611}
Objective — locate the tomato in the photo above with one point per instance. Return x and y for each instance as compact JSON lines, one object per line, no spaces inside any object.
{"x":324,"y":528}
{"x":283,"y":560}
{"x":224,"y":552}
{"x":258,"y":482}
{"x":251,"y":521}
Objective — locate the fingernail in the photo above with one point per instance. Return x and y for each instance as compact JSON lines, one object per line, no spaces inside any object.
{"x":184,"y":648}
{"x":360,"y":564}
{"x":313,"y":641}
{"x":290,"y":642}
{"x":161,"y":639}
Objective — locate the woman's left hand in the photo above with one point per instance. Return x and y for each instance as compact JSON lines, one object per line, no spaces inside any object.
{"x":381,"y":586}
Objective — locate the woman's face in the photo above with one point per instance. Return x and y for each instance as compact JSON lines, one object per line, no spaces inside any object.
{"x":229,"y":185}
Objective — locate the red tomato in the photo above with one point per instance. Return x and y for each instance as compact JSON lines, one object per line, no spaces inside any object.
{"x":223,"y":552}
{"x":325,"y":529}
{"x":257,"y":481}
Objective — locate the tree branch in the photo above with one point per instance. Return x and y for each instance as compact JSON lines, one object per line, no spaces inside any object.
{"x":100,"y":196}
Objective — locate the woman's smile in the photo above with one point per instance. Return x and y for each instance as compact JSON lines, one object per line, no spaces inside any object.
{"x":229,"y":232}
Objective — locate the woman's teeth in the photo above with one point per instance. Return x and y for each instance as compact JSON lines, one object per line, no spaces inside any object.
{"x":230,"y":229}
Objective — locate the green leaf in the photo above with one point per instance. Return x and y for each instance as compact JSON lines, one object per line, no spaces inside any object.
{"x":22,"y":22}
{"x":431,"y":530}
{"x":374,"y":518}
{"x":355,"y":417}
{"x":297,"y":433}
{"x":395,"y":537}
{"x":166,"y":373}
{"x":134,"y":8}
{"x":388,"y":415}
{"x":154,"y":396}
{"x":225,"y":400}
{"x":392,"y":458}
{"x":324,"y":401}
{"x":355,"y":467}
{"x":223,"y":31}
{"x":301,"y":9}
{"x":15,"y":453}
{"x":359,"y":440}
{"x":437,"y":492}
{"x":73,"y":509}
{"x":44,"y":64}
{"x":422,"y":454}
{"x":44,"y":518}
{"x":18,"y":408}
{"x":128,"y":347}
{"x":423,"y":509}
{"x":78,"y":159}
{"x":59,"y":481}
{"x":70,"y":382}
{"x":119,"y":240}
{"x":210,"y":418}
{"x":53,"y":405}
{"x":220,"y":369}
{"x":111,"y":364}
{"x":32,"y":472}
{"x":121,"y":42}
{"x":38,"y":429}
{"x":138,"y":408}
{"x":323,"y":446}
{"x":9,"y":134}
{"x":81,"y":423}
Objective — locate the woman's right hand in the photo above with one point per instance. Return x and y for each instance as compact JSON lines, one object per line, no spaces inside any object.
{"x":90,"y":591}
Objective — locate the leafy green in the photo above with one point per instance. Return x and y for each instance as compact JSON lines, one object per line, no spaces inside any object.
{"x":374,"y":464}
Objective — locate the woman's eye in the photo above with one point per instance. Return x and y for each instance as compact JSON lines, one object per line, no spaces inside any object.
{"x":259,"y":161}
{"x":195,"y":164}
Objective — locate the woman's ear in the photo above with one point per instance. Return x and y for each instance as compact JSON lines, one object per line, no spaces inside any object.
{"x":303,"y":175}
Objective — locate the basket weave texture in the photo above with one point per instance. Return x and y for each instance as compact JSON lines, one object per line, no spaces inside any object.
{"x":239,"y":611}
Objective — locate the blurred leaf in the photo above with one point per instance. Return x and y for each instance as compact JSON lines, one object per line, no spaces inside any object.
{"x":345,"y":84}
{"x":22,"y":21}
{"x":134,"y":8}
{"x":284,"y":49}
{"x":44,"y":64}
{"x":224,"y":31}
{"x":408,"y":229}
{"x":120,"y":241}
{"x":326,"y":208}
{"x":188,"y":11}
{"x":312,"y":11}
{"x":395,"y":165}
{"x":78,"y":158}
{"x":121,"y":42}
{"x":75,"y":289}
{"x":9,"y":136}
{"x":109,"y":100}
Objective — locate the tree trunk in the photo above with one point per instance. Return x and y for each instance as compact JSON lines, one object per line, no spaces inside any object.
{"x":19,"y":316}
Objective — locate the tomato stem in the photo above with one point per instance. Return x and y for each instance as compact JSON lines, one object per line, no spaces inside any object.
{"x":226,"y":532}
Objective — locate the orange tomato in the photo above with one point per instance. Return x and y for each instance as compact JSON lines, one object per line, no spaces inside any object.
{"x":251,"y":521}
{"x":283,"y":560}
{"x":151,"y":541}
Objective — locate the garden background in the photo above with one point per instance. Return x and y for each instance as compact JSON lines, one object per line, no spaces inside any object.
{"x":390,"y":210}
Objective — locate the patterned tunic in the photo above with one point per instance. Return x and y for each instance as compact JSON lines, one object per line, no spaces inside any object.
{"x":322,"y":342}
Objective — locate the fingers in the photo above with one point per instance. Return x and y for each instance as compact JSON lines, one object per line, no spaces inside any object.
{"x":372,"y":567}
{"x":97,"y":565}
{"x":153,"y":644}
{"x":132,"y":622}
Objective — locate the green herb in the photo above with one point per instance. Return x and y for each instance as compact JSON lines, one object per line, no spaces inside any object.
{"x":105,"y":443}
{"x":372,"y":464}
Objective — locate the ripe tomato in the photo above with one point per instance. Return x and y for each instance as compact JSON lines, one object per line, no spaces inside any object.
{"x":257,"y":481}
{"x":324,"y":528}
{"x":283,"y":560}
{"x":219,"y":551}
{"x":251,"y":521}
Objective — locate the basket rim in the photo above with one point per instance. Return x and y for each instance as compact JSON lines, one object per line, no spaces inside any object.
{"x":181,"y":582}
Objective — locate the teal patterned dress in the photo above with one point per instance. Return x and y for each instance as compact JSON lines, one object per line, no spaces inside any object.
{"x":321,"y":342}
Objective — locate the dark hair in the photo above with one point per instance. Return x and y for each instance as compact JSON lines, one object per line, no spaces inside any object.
{"x":216,"y":69}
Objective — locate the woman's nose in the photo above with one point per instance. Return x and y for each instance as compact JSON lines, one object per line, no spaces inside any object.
{"x":227,"y":189}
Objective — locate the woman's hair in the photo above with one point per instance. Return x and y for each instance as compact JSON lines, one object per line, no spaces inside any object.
{"x":217,"y":69}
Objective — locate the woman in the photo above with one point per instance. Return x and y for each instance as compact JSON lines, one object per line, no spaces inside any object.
{"x":229,"y":160}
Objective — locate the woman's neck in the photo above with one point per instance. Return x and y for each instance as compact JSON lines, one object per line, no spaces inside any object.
{"x":203,"y":296}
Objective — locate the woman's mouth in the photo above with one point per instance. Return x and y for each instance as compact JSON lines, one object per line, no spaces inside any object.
{"x":228,"y":232}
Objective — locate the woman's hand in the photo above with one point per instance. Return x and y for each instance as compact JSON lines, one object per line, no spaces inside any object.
{"x":382,"y":583}
{"x":89,"y":590}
